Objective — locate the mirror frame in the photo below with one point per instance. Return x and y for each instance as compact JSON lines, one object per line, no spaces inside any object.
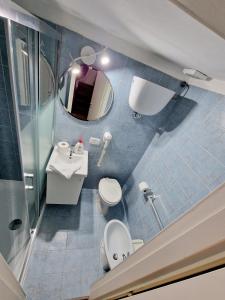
{"x":80,"y":120}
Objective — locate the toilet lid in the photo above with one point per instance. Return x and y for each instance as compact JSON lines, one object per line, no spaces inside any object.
{"x":110,"y":190}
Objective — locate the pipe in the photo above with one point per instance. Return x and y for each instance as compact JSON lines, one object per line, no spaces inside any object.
{"x":107,"y":137}
{"x":101,"y":157}
{"x":155,"y":212}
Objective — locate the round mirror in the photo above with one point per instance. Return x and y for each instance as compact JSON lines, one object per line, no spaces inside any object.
{"x":85,"y":92}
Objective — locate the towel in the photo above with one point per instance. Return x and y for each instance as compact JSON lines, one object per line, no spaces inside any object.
{"x":64,"y":168}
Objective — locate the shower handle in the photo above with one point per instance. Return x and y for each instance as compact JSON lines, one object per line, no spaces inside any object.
{"x":29,"y":176}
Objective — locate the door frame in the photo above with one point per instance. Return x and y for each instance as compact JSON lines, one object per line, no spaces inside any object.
{"x":193,"y":244}
{"x":10,"y":288}
{"x":205,"y":286}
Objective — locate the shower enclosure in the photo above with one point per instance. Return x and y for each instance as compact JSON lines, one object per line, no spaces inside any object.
{"x":28,"y":60}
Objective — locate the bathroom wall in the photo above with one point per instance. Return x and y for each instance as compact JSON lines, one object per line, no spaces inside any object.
{"x":10,"y":168}
{"x":182,"y":164}
{"x":130,"y":137}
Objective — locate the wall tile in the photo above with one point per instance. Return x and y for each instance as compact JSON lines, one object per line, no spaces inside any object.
{"x":203,"y":163}
{"x":192,"y":185}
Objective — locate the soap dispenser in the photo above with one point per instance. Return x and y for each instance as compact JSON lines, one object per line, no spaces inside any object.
{"x":79,"y":147}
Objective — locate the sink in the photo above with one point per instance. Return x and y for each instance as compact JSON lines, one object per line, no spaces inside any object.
{"x":71,"y":161}
{"x":62,"y":190}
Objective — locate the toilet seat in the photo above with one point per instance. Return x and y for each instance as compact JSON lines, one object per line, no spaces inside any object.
{"x":110,"y":191}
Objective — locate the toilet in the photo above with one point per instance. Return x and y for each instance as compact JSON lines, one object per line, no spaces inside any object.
{"x":110,"y":193}
{"x":116,"y":245}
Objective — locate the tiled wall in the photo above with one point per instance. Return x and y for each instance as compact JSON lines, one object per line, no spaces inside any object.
{"x":130,"y":137}
{"x":182,"y":164}
{"x":10,"y":168}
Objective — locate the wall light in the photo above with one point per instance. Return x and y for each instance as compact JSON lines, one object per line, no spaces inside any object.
{"x":76,"y":69}
{"x":105,"y":60}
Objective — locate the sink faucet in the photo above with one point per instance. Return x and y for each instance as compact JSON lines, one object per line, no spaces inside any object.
{"x":71,"y":151}
{"x":124,"y":256}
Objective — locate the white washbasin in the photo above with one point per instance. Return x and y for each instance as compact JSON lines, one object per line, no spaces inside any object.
{"x":77,"y":161}
{"x":74,"y":159}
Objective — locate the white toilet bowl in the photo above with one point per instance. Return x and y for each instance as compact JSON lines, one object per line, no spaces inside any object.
{"x":116,"y":245}
{"x":110,"y":193}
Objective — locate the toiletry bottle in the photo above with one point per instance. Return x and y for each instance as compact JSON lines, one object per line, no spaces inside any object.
{"x":79,"y":147}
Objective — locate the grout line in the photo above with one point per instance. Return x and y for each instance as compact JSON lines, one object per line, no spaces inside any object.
{"x":203,"y":148}
{"x":189,"y":167}
{"x":192,"y":170}
{"x":174,"y":180}
{"x":210,"y":154}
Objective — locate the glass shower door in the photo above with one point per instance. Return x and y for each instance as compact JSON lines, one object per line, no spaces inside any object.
{"x":25,"y":58}
{"x":14,"y":229}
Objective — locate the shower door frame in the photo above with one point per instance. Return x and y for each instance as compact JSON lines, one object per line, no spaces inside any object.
{"x":10,"y":11}
{"x":33,"y":90}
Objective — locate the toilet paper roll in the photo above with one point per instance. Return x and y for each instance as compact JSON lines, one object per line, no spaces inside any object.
{"x":143,"y":186}
{"x":63,"y":147}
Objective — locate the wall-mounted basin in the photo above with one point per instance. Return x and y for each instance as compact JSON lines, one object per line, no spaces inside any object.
{"x":65,"y":176}
{"x":66,"y":164}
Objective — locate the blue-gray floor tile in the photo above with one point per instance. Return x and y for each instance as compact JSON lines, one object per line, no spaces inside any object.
{"x":71,"y":285}
{"x":51,"y":241}
{"x":54,"y":262}
{"x":77,"y":240}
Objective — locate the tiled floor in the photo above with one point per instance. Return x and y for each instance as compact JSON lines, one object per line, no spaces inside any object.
{"x":65,"y":259}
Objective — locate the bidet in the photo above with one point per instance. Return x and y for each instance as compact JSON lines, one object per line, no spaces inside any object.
{"x":116,"y":243}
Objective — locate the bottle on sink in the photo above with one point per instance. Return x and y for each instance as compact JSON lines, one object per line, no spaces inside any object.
{"x":79,"y":147}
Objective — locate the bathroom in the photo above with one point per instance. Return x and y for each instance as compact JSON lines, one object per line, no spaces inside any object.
{"x":75,"y":175}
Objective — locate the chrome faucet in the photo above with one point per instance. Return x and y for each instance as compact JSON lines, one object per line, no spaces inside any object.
{"x":148,"y":194}
{"x":124,"y":256}
{"x":71,"y":151}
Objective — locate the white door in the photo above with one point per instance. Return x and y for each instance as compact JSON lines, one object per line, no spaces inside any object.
{"x":100,"y":97}
{"x":10,"y":288}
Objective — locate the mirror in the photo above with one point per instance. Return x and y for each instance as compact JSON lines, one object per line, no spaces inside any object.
{"x":86,"y":93}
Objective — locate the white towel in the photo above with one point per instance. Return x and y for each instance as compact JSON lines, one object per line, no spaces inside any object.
{"x":64,"y":168}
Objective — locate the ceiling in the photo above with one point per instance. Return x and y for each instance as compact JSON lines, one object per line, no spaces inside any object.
{"x":155,"y":26}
